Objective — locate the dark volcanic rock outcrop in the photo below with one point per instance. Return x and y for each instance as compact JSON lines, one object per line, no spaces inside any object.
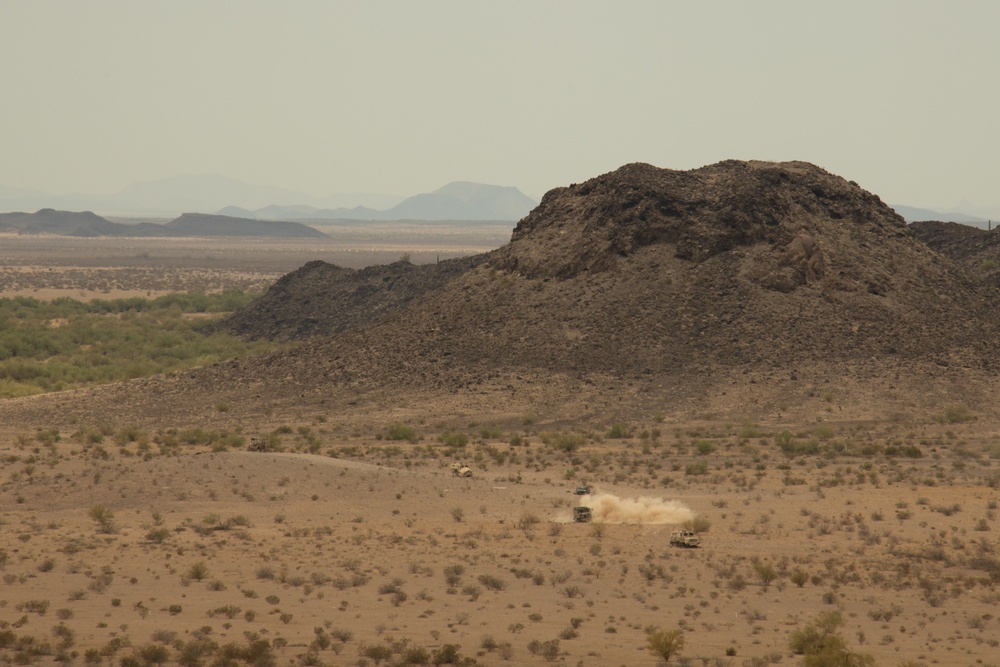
{"x":322,"y":299}
{"x":654,"y":273}
{"x":700,"y":214}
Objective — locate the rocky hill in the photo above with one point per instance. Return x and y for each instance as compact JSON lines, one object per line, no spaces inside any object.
{"x":653,"y":272}
{"x":739,"y":284}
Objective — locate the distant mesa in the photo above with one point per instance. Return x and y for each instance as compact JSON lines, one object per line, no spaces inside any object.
{"x":88,"y":224}
{"x":199,"y":224}
{"x":912,"y":214}
{"x":62,"y":223}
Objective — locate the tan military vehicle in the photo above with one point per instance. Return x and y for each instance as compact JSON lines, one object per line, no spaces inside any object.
{"x":684,"y":538}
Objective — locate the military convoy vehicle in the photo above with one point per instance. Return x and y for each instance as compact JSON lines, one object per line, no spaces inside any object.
{"x":582,"y":514}
{"x":684,"y":538}
{"x":461,"y":470}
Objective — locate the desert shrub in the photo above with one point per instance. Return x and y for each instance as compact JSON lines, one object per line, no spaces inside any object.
{"x":563,"y":442}
{"x":665,"y":644}
{"x":104,"y":518}
{"x":389,"y":587}
{"x":453,"y":574}
{"x":153,"y":654}
{"x":158,"y":535}
{"x":376,"y":653}
{"x":824,"y":432}
{"x":198,"y":571}
{"x":547,"y":649}
{"x":34,"y":606}
{"x":527,"y":521}
{"x":399,"y":431}
{"x":698,"y":468}
{"x":454,"y":439}
{"x":619,"y":430}
{"x":97,"y":346}
{"x":766,"y":572}
{"x":492,"y":582}
{"x":449,"y":654}
{"x":792,"y":447}
{"x":885,"y":615}
{"x":956,"y":413}
{"x":822,"y":645}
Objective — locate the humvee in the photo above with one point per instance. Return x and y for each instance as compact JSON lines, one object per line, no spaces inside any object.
{"x":684,"y":538}
{"x":582,"y":514}
{"x":463,"y":471}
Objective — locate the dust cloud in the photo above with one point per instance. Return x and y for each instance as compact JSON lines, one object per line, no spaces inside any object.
{"x":609,"y":508}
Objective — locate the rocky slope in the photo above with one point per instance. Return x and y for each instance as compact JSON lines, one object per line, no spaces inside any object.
{"x":321,"y":299}
{"x":974,"y":248}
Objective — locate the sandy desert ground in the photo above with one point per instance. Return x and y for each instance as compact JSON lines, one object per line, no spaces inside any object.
{"x":350,"y":541}
{"x":344,"y":541}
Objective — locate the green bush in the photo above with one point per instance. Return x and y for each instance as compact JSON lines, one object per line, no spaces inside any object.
{"x":399,"y":431}
{"x":564,"y":442}
{"x":619,"y":430}
{"x":956,"y":413}
{"x":704,"y":447}
{"x":822,"y":646}
{"x":665,"y":644}
{"x":453,"y":439}
{"x":699,"y":468}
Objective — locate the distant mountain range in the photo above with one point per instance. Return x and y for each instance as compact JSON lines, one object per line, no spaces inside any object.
{"x":210,"y":193}
{"x":68,"y":223}
{"x":911,"y":214}
{"x":456,"y":201}
{"x":169,"y":197}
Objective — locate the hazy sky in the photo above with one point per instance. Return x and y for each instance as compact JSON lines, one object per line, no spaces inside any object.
{"x":403,"y":97}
